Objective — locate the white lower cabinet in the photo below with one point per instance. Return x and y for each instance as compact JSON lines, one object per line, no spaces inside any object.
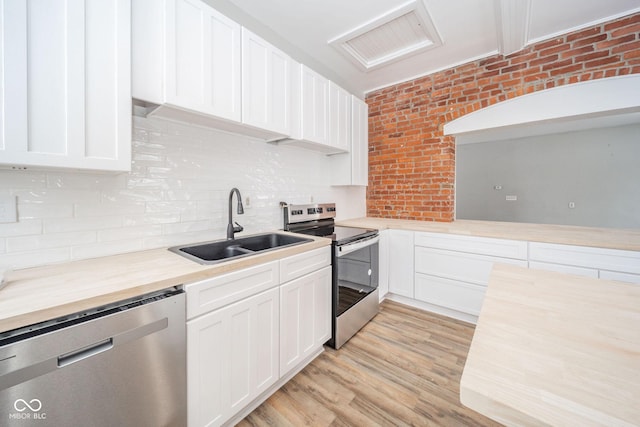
{"x":305,"y":317}
{"x":460,"y":266}
{"x":401,"y":263}
{"x":232,"y":357}
{"x":455,"y":280}
{"x":383,"y":265}
{"x":621,"y":277}
{"x":611,"y":264}
{"x":307,"y":262}
{"x":560,"y":268}
{"x":453,"y":294}
{"x":248,"y":329}
{"x":452,"y":271}
{"x":449,"y":273}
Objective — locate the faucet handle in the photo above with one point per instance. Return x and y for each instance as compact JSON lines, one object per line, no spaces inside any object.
{"x":237,"y":228}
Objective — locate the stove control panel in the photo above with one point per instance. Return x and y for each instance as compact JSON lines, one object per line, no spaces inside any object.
{"x":301,"y":213}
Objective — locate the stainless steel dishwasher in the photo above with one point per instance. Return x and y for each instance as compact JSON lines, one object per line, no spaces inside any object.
{"x":122,"y":364}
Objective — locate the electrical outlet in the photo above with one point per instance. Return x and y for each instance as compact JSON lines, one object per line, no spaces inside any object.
{"x":311,"y":199}
{"x":8,"y":209}
{"x":512,"y":198}
{"x":247,"y":202}
{"x":497,"y":187}
{"x":572,"y":205}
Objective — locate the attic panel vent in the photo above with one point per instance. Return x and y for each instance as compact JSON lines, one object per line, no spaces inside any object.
{"x":395,"y":35}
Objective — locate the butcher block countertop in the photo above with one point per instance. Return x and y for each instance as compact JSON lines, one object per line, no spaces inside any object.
{"x":555,"y":349}
{"x":42,"y":293}
{"x":611,"y":238}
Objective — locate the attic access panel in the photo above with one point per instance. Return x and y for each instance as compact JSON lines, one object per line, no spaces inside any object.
{"x":393,"y":36}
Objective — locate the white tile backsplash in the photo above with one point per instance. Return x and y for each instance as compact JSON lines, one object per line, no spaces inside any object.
{"x":177,"y":192}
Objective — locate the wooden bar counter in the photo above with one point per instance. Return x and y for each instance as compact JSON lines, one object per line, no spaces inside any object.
{"x":555,"y":349}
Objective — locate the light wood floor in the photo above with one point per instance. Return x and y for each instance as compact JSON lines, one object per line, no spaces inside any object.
{"x":403,"y":368}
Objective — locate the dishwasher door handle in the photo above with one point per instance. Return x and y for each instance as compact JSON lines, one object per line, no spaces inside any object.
{"x":84,"y":353}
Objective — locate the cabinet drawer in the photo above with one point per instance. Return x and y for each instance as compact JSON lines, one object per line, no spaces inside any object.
{"x":471,"y":268}
{"x":460,"y":296}
{"x":569,"y":269}
{"x":582,"y":256}
{"x":621,"y":277}
{"x":471,"y":244}
{"x":219,"y":291}
{"x":298,"y":265}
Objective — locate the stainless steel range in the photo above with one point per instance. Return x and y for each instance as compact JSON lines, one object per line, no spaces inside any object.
{"x":354,"y":262}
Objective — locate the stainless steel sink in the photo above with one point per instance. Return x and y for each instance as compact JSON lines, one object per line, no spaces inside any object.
{"x":224,"y":250}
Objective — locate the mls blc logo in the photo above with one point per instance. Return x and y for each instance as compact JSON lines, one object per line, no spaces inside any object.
{"x":27,"y":410}
{"x":21,"y":405}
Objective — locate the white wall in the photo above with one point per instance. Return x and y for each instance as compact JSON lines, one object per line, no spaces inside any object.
{"x":176,"y":193}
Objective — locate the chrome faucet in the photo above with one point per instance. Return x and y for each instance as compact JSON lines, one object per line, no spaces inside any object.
{"x":231,"y":229}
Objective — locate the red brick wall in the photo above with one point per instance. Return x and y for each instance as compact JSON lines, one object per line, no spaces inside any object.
{"x":412,"y":164}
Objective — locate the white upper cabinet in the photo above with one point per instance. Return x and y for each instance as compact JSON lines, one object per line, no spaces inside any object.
{"x":266,"y":85}
{"x":194,"y":65}
{"x":203,"y":59}
{"x":65,"y":85}
{"x":186,"y":55}
{"x":359,"y":142}
{"x":353,"y":168}
{"x":321,"y":113}
{"x":339,"y":118}
{"x":315,"y":106}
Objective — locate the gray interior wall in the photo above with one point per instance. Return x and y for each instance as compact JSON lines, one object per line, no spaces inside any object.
{"x":598,"y":170}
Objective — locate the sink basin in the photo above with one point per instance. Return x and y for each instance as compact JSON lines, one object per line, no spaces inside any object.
{"x":224,"y":250}
{"x":263,"y":242}
{"x":215,"y":251}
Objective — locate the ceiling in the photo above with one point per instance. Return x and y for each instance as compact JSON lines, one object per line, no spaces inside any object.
{"x":462,"y":30}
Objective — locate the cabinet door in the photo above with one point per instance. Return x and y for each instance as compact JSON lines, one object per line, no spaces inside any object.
{"x":232,"y":357}
{"x":460,"y":266}
{"x":266,"y":85}
{"x":401,"y":274}
{"x":359,"y":142}
{"x":216,"y":292}
{"x":580,"y":256}
{"x":621,"y":277}
{"x":383,"y":286}
{"x":304,"y":263}
{"x":315,"y":106}
{"x":452,"y":294}
{"x":489,"y":246}
{"x":208,"y":373}
{"x":339,"y":118}
{"x":65,"y":97}
{"x":352,"y":168}
{"x":305,"y":317}
{"x":560,"y":268}
{"x":202,"y":59}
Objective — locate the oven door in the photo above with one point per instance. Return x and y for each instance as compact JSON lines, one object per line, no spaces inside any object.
{"x":356,"y":272}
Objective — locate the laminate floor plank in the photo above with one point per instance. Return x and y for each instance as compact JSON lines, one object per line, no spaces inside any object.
{"x":365,"y":382}
{"x":401,"y":369}
{"x":412,"y":362}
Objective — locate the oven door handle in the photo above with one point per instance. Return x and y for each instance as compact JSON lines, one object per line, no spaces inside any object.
{"x":357,"y":245}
